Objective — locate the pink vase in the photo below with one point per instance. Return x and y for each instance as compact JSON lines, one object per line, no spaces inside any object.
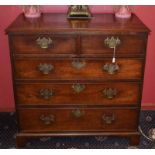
{"x":123,"y":11}
{"x":32,"y":11}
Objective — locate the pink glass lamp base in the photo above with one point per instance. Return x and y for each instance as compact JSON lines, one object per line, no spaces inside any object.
{"x":32,"y":11}
{"x":123,"y":11}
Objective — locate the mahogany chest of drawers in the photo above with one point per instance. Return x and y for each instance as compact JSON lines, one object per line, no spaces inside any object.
{"x":65,"y":83}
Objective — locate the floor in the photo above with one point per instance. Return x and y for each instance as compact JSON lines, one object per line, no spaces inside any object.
{"x":8,"y":128}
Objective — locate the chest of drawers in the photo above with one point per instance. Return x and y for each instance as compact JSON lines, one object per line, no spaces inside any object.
{"x":65,"y":83}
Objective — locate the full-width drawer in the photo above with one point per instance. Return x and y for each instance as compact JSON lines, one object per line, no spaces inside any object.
{"x":77,"y":119}
{"x":44,"y":44}
{"x":102,"y":69}
{"x":103,"y":44}
{"x":108,"y":94}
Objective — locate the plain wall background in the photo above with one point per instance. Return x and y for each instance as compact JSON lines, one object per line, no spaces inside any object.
{"x":9,"y":13}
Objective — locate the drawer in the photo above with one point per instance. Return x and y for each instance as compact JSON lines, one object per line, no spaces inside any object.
{"x":108,"y":94}
{"x":125,"y":44}
{"x":46,"y":69}
{"x":44,"y":44}
{"x":77,"y":119}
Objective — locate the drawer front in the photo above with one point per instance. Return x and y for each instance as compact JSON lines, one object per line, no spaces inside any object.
{"x":73,"y":119}
{"x":76,"y":70}
{"x":109,"y":94}
{"x":125,"y":44}
{"x":44,"y":44}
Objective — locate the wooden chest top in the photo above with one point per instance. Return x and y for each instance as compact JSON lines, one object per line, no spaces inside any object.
{"x":102,"y":23}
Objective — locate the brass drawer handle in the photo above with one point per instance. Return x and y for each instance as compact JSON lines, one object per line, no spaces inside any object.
{"x":45,"y":68}
{"x":77,"y":64}
{"x":111,"y":68}
{"x":109,"y":93}
{"x":112,"y":42}
{"x":44,"y":42}
{"x":78,"y":113}
{"x":47,"y":120}
{"x":78,"y":87}
{"x":108,"y":118}
{"x":46,"y":93}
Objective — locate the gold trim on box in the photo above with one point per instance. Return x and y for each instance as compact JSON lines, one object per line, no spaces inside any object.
{"x":79,"y":11}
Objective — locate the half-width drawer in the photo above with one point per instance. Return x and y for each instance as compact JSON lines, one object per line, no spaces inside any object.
{"x":44,"y":44}
{"x":102,"y":69}
{"x":104,"y":44}
{"x":108,"y":94}
{"x":77,"y":119}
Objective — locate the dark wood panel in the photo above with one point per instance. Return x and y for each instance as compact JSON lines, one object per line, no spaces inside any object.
{"x":129,"y":44}
{"x":66,"y":70}
{"x":59,"y":44}
{"x":50,"y":120}
{"x":108,"y":94}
